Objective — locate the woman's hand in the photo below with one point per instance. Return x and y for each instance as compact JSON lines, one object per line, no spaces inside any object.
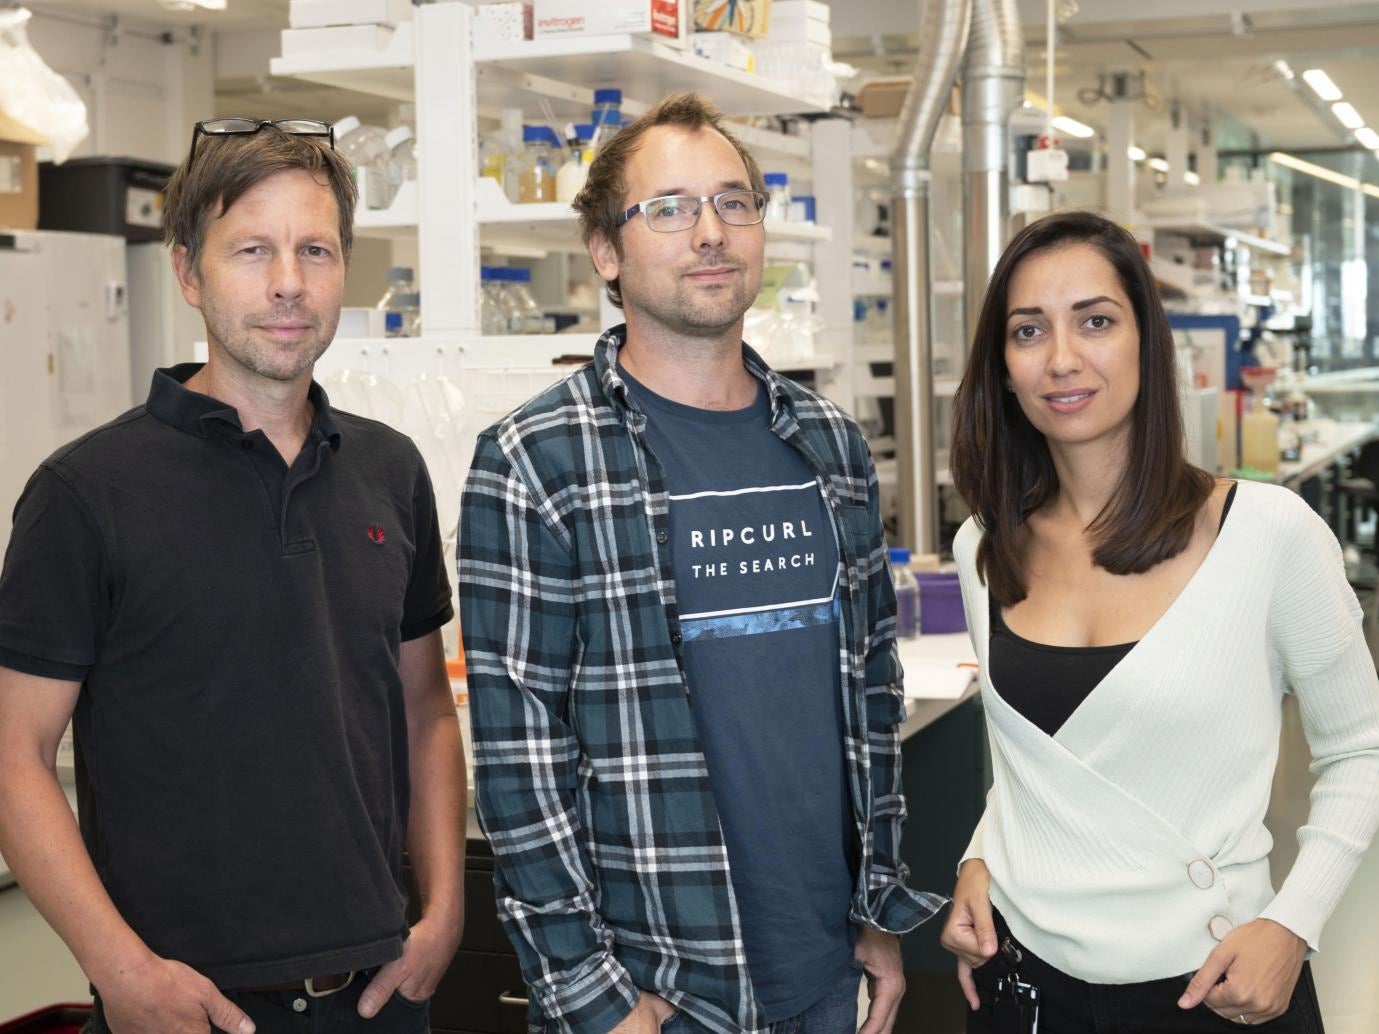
{"x":970,"y":933}
{"x":1250,"y":974}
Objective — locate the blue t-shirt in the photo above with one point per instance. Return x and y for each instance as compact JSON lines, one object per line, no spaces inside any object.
{"x":756,"y":576}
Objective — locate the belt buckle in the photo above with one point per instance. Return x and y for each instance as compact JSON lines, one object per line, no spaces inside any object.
{"x":311,"y":991}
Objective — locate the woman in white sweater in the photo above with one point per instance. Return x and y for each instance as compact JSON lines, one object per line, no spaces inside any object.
{"x":1138,"y":622}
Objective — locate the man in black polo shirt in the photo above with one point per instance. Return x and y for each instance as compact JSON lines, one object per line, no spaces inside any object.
{"x":236,"y":594}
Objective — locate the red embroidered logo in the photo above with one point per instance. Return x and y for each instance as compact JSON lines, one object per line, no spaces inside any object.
{"x":376,"y":533}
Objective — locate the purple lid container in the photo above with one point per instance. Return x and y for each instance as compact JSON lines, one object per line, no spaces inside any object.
{"x":940,"y":604}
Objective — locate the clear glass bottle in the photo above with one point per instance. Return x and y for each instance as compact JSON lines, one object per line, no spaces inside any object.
{"x":778,"y":189}
{"x":906,"y":595}
{"x":606,"y":116}
{"x":527,"y":316}
{"x":491,"y":317}
{"x":401,"y":280}
{"x":408,"y":305}
{"x":366,"y":149}
{"x":500,"y":153}
{"x":539,"y":164}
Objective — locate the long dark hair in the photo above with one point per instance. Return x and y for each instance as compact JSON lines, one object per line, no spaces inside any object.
{"x":1001,"y":464}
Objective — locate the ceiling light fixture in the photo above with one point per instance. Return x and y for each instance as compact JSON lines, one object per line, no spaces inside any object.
{"x":1322,"y":85}
{"x":1158,"y":164}
{"x":1350,"y":118}
{"x":1192,"y":179}
{"x":1316,"y":171}
{"x":1136,"y":154}
{"x":1367,"y":138}
{"x":1281,"y":66}
{"x":192,"y":5}
{"x":1073,"y":127}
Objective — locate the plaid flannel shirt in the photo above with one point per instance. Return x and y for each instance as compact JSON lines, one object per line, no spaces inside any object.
{"x":612,"y":874}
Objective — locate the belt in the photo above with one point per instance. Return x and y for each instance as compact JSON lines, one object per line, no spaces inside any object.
{"x":312,"y":987}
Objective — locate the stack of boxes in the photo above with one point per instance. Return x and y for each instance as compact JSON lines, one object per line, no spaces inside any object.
{"x":798,"y":50}
{"x":342,"y":26}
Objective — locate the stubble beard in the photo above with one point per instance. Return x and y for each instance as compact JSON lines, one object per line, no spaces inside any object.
{"x":695,"y":311}
{"x":284,"y":363}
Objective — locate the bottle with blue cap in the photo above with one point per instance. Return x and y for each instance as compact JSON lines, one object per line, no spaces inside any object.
{"x":778,"y":190}
{"x":906,"y":595}
{"x":607,"y":116}
{"x":540,"y":162}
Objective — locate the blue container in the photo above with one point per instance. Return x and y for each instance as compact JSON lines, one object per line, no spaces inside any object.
{"x":940,"y":605}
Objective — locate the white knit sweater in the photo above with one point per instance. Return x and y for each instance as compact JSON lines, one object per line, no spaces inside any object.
{"x":1124,"y":847}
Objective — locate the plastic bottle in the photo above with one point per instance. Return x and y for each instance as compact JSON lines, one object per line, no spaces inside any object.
{"x":527,"y":317}
{"x":1259,"y":447}
{"x":402,"y":159}
{"x":539,"y":161}
{"x":606,"y":116}
{"x":906,"y":595}
{"x":569,"y":180}
{"x":778,"y":187}
{"x":500,"y":153}
{"x":365,"y":148}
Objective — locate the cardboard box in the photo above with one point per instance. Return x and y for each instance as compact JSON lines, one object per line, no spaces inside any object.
{"x":320,"y":14}
{"x":883,"y":98}
{"x":662,"y":18}
{"x":340,"y":38}
{"x":750,"y":18}
{"x":725,"y":48}
{"x":809,"y":30}
{"x":19,"y":175}
{"x":500,"y":23}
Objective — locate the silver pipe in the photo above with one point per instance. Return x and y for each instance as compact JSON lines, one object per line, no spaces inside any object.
{"x":993,"y":86}
{"x":943,"y":37}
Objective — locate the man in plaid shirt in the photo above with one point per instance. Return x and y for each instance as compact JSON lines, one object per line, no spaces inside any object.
{"x":679,"y":627}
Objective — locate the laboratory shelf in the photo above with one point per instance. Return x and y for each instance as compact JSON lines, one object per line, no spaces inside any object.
{"x":641,"y":68}
{"x":388,"y":73}
{"x":1211,"y":232}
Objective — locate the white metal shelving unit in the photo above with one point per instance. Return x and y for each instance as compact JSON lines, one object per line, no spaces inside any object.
{"x":436,"y":63}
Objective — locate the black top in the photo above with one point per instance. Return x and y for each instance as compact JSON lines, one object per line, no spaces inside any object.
{"x":1045,"y":683}
{"x":241,"y":734}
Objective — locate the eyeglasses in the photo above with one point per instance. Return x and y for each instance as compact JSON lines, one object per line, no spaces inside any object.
{"x":248,"y":126}
{"x":681,"y":211}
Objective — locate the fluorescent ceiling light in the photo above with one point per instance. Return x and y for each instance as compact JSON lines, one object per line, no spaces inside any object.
{"x":1158,"y":164}
{"x":1317,"y":171}
{"x":192,"y":5}
{"x":1283,"y":69}
{"x":1135,"y":154}
{"x":1073,"y":127}
{"x":1322,"y":85}
{"x":1350,"y":118}
{"x":1192,"y":179}
{"x":1367,"y":138}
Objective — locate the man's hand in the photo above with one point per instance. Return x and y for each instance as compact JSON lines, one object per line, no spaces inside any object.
{"x":164,"y":997}
{"x":970,"y":932}
{"x":425,"y":956}
{"x":651,"y":1011}
{"x":879,"y":954}
{"x":1260,"y":963}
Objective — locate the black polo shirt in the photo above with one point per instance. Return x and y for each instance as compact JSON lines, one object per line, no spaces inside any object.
{"x":241,"y":733}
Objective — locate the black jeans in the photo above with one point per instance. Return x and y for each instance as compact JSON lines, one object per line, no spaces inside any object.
{"x":1072,"y":1006}
{"x":279,"y":1012}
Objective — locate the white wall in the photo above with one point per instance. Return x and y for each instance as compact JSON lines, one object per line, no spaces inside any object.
{"x":142,"y":94}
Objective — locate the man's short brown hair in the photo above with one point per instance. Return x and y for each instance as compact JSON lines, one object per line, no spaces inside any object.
{"x":225,"y":166}
{"x":600,"y":204}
